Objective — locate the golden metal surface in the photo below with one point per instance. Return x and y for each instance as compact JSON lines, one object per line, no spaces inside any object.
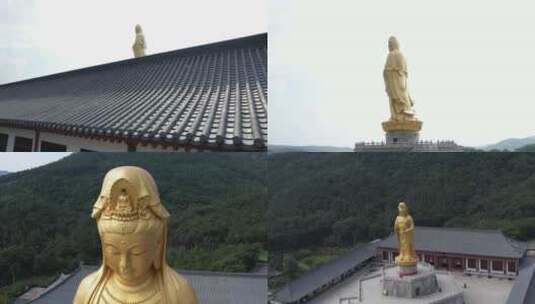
{"x":404,"y":229}
{"x":395,"y":75}
{"x":402,"y":126}
{"x":132,"y":225}
{"x":139,"y":46}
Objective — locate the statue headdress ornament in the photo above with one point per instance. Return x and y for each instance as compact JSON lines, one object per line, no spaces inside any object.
{"x":128,"y":194}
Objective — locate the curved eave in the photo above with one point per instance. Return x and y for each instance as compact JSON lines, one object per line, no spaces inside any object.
{"x":187,"y":141}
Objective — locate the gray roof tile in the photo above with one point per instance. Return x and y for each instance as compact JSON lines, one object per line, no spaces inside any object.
{"x":523,"y":291}
{"x":319,"y":276}
{"x":491,"y":243}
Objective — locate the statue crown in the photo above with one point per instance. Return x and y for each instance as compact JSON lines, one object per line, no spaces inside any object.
{"x":124,"y":209}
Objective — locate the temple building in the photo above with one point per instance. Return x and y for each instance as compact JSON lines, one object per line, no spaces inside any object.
{"x":210,"y":97}
{"x":211,"y":287}
{"x":478,"y":252}
{"x":474,"y":266}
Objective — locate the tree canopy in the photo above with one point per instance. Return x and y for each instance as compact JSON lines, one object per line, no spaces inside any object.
{"x":338,"y":200}
{"x":217,"y":204}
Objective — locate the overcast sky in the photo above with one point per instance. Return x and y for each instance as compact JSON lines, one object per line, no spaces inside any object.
{"x":40,"y":37}
{"x":18,"y":161}
{"x":471,"y":69}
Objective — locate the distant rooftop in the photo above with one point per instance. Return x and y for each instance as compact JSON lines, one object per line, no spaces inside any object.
{"x":211,"y":287}
{"x":211,"y":96}
{"x":523,"y":291}
{"x":491,"y":243}
{"x":319,"y":276}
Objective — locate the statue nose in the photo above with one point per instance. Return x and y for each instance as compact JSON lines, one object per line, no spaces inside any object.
{"x":124,"y":264}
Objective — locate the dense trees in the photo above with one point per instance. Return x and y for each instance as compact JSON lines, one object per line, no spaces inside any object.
{"x":217,"y":203}
{"x":336,"y":200}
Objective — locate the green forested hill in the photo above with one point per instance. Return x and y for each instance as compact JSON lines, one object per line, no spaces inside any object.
{"x":340,"y":199}
{"x":526,"y":148}
{"x":217,"y":204}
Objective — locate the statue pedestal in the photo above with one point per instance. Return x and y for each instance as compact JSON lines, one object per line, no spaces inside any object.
{"x":404,"y":136}
{"x":402,"y":132}
{"x":407,"y":270}
{"x":423,"y":283}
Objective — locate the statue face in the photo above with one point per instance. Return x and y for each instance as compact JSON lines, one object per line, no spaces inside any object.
{"x":130,"y":256}
{"x":402,"y":208}
{"x":392,"y":44}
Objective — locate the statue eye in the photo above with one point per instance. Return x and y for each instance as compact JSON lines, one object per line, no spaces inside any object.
{"x":137,"y":252}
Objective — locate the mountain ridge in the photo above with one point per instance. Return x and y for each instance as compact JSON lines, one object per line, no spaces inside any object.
{"x":510,"y":144}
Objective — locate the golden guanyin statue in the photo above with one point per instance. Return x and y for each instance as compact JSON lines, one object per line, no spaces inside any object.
{"x":139,"y":46}
{"x":395,"y":75}
{"x":132,"y":224}
{"x":404,"y":229}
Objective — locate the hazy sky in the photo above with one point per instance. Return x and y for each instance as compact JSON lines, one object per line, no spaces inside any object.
{"x":471,"y":69}
{"x":18,"y":161}
{"x":40,"y":37}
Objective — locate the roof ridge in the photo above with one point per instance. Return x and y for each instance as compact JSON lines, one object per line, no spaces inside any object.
{"x":256,"y":38}
{"x":289,"y":286}
{"x":463,"y":229}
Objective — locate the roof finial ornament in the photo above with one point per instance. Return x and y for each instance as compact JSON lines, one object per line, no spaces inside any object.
{"x":139,"y":44}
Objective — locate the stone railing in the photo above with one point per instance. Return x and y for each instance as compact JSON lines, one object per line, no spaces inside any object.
{"x":419,"y":146}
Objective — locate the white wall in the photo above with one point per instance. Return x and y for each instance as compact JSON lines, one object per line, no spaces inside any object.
{"x":16,"y":132}
{"x":74,"y":144}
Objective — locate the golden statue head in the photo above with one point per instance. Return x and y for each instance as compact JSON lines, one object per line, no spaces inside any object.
{"x":393,"y":44}
{"x":403,"y":209}
{"x":132,"y":224}
{"x":138,"y":29}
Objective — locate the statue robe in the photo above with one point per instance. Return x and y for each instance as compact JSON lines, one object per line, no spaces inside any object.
{"x":404,"y":228}
{"x":395,"y":77}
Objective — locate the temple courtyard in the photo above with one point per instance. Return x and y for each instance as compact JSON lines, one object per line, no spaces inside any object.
{"x":479,"y":290}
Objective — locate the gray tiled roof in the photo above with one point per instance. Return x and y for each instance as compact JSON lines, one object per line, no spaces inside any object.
{"x":323,"y":274}
{"x":491,"y":243}
{"x":209,"y":96}
{"x":211,"y":287}
{"x":64,"y":293}
{"x":228,"y":288}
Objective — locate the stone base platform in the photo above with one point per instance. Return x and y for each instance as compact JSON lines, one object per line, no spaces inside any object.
{"x":420,"y":146}
{"x":401,"y":137}
{"x":372,"y":288}
{"x":423,"y":283}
